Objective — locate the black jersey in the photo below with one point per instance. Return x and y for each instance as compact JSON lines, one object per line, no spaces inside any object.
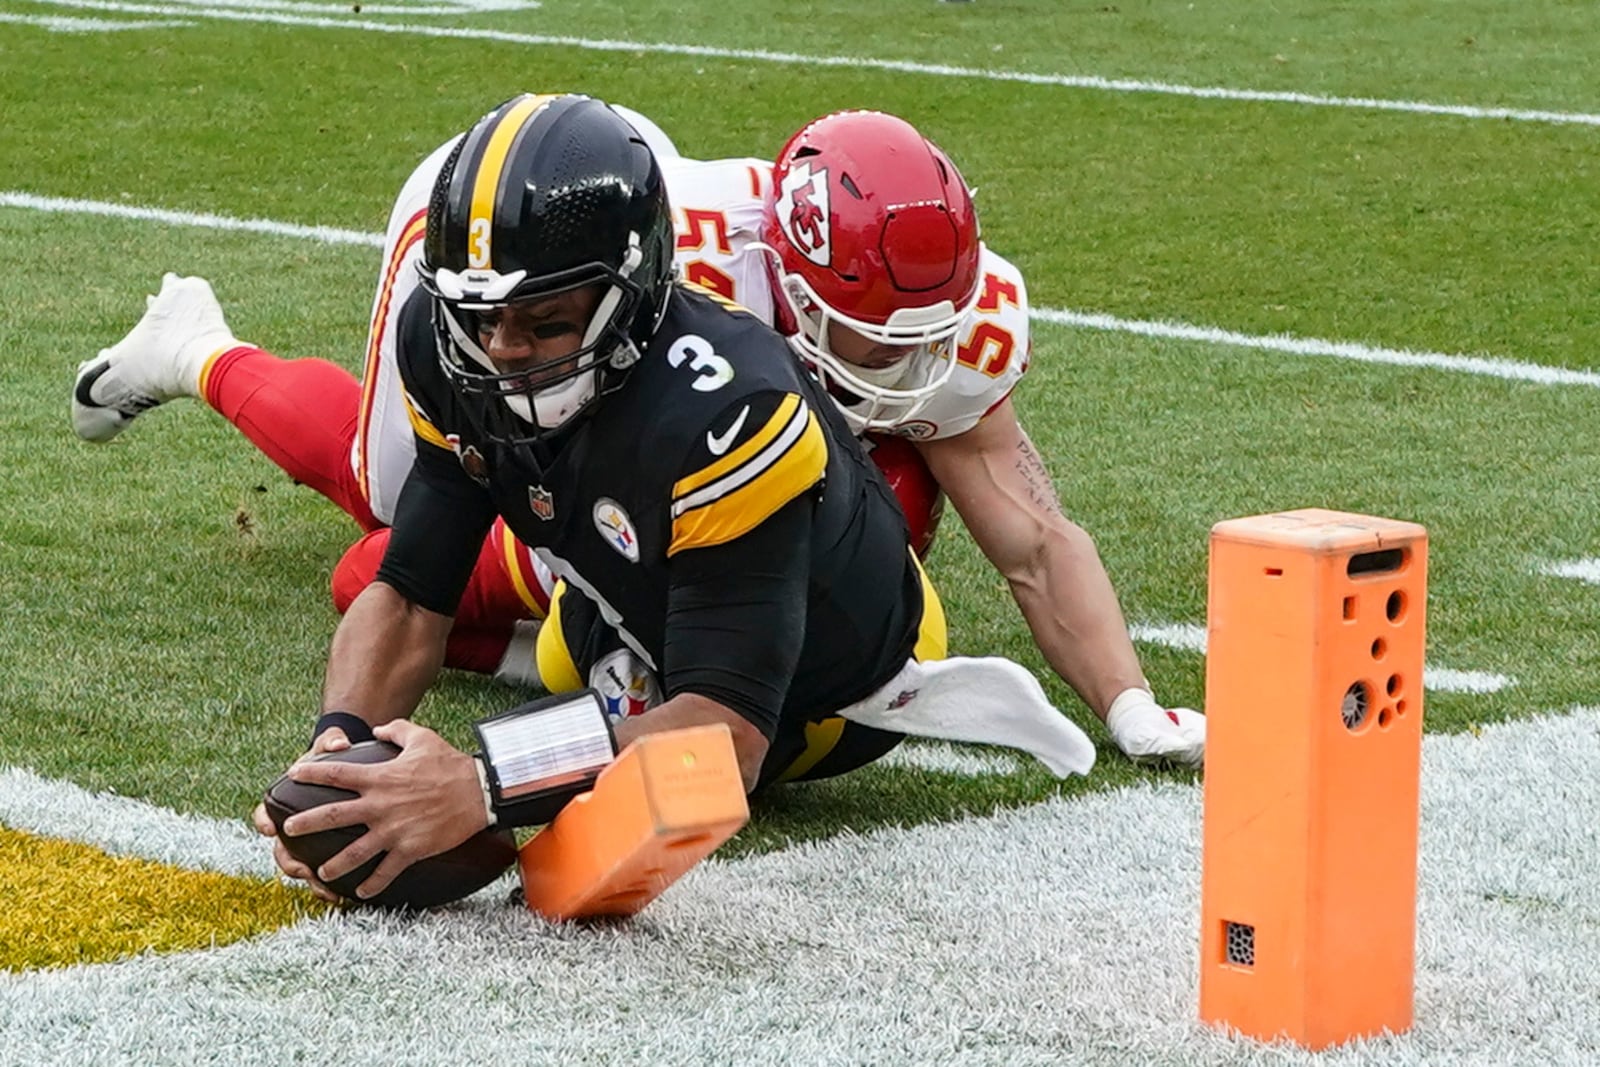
{"x":717,"y":471}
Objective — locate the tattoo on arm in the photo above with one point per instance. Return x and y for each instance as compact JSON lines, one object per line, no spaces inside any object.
{"x":1033,"y":472}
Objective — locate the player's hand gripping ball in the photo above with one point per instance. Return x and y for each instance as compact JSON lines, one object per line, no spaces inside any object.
{"x":439,"y":879}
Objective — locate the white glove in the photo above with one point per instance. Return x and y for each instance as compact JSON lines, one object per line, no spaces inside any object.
{"x":1148,"y":733}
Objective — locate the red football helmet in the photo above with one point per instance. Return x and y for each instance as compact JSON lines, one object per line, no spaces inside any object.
{"x":874,"y":229}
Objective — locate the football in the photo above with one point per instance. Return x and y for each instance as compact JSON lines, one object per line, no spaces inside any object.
{"x":436,"y":880}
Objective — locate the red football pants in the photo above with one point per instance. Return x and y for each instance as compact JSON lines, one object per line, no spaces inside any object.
{"x":302,"y":415}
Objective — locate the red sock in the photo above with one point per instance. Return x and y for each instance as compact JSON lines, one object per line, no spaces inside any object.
{"x":301,"y":413}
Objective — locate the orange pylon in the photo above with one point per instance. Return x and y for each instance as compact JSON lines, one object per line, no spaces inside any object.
{"x":1313,"y":754}
{"x":666,"y":803}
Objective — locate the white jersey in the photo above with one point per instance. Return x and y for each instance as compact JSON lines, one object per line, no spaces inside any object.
{"x":992,"y":349}
{"x":383,"y":449}
{"x":718,"y":208}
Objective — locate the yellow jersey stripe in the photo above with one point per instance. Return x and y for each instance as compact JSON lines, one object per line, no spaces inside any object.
{"x":424,"y":429}
{"x":750,"y":471}
{"x":736,"y":505}
{"x":743,"y":454}
{"x":84,"y":906}
{"x":558,"y":669}
{"x":731,"y":305}
{"x":933,"y":635}
{"x":512,"y":553}
{"x":486,"y":183}
{"x":821,"y":737}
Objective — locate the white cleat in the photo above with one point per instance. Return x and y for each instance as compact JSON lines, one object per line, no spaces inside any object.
{"x":159,"y":360}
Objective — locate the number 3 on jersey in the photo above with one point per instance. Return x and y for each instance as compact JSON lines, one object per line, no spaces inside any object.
{"x":988,"y":347}
{"x":713,"y":371}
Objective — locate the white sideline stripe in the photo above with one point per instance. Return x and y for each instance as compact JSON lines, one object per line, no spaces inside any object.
{"x":1510,"y":370}
{"x":1584,"y":570}
{"x":1183,"y":636}
{"x":60,"y":24}
{"x":1069,"y":81}
{"x":325,"y":234}
{"x":123,"y":826}
{"x":949,"y":759}
{"x":1449,"y":681}
{"x":1191,"y":637}
{"x":1063,"y":932}
{"x":459,"y":7}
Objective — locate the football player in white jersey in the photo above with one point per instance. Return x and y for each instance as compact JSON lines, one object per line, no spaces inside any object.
{"x":860,"y":242}
{"x":920,"y":332}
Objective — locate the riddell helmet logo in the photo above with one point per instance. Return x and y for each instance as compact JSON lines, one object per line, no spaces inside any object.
{"x":802,"y":212}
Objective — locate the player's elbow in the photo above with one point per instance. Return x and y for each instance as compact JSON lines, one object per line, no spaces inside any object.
{"x":750,"y":747}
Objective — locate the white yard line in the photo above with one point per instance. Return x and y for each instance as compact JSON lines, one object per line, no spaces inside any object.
{"x":1065,"y":932}
{"x":1584,"y":570}
{"x":1505,"y":369}
{"x":123,"y":826}
{"x":270,"y":13}
{"x":1191,"y":637}
{"x":324,"y":234}
{"x":60,"y":24}
{"x":938,"y":756}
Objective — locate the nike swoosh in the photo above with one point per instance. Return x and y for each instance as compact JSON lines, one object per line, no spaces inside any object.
{"x":718,"y":443}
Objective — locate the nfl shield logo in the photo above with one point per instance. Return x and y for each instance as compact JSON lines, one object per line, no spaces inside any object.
{"x":541,"y":503}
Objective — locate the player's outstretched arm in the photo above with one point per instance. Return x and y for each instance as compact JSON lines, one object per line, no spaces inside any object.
{"x":385,"y":653}
{"x":692,"y":709}
{"x":999,"y":485}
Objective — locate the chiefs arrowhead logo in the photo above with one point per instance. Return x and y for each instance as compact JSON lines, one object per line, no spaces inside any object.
{"x":802,"y":212}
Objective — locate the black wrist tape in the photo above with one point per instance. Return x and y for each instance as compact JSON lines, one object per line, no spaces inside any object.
{"x":354,"y":726}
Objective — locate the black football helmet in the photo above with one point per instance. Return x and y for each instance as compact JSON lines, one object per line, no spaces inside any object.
{"x":543,"y":195}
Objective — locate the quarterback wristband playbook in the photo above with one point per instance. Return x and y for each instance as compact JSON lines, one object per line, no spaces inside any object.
{"x":533,"y":759}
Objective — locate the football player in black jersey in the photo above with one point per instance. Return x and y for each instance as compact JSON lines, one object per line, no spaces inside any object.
{"x":660,"y":450}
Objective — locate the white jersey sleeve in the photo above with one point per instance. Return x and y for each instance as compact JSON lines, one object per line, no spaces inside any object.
{"x":717,"y":211}
{"x":992,"y":349}
{"x":383,"y":448}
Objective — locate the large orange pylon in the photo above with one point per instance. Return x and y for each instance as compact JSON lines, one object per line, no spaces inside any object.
{"x":664,"y":805}
{"x":1313,"y":752}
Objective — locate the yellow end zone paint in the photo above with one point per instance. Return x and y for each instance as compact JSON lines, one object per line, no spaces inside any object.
{"x":68,"y":903}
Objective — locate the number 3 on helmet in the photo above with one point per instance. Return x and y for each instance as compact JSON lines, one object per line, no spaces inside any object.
{"x":874,"y":230}
{"x":544,"y":195}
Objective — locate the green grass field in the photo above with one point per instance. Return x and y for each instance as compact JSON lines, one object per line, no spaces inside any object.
{"x":165,"y":596}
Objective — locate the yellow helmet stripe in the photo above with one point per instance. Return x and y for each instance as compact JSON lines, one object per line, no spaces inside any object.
{"x":487,"y":181}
